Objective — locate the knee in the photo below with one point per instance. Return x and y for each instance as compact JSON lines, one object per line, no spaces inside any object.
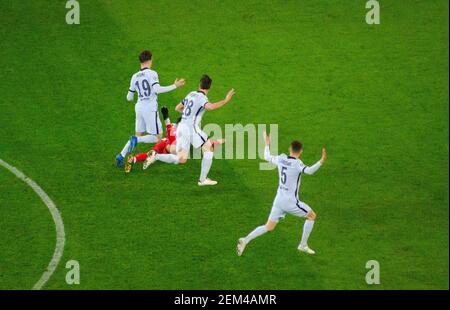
{"x":311,"y":215}
{"x":271,"y":226}
{"x":182,"y":160}
{"x":208,"y":147}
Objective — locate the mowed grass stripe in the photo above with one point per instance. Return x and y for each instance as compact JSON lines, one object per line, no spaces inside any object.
{"x":370,"y":94}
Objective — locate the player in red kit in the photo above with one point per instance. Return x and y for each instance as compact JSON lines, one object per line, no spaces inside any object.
{"x":166,"y":145}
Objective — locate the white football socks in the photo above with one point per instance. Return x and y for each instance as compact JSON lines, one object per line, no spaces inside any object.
{"x":307,"y":228}
{"x":125,"y":149}
{"x":143,"y":139}
{"x":260,"y":230}
{"x":147,"y":139}
{"x":206,"y":165}
{"x":167,"y":158}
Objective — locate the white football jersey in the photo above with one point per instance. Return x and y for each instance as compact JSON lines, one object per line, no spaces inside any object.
{"x":290,"y":170}
{"x":142,"y":83}
{"x":194,"y":108}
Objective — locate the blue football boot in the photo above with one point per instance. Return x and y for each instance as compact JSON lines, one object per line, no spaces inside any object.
{"x":119,"y":160}
{"x":133,"y":143}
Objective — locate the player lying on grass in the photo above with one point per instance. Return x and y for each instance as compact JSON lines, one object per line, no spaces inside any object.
{"x":145,"y":83}
{"x":290,"y":169}
{"x":189,"y":132}
{"x":164,"y":146}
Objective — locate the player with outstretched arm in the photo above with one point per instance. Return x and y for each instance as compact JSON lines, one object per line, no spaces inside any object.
{"x":166,"y":145}
{"x":189,"y":132}
{"x":145,"y":84}
{"x":290,"y":169}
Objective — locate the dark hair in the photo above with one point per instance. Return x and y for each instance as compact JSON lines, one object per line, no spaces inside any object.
{"x":296,"y":146}
{"x":205,"y":82}
{"x":145,"y":56}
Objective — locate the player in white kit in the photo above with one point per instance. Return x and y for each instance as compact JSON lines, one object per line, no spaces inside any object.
{"x":145,"y":84}
{"x":189,"y":132}
{"x":290,"y":169}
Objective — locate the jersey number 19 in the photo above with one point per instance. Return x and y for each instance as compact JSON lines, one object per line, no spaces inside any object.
{"x":146,"y":87}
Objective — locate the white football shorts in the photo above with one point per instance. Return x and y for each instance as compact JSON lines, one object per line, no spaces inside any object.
{"x":187,"y":135}
{"x":282,"y":206}
{"x":148,"y":121}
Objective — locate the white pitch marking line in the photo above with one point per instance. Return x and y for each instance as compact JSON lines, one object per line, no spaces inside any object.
{"x":60,"y":234}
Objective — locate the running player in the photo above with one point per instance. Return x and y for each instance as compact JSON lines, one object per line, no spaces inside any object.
{"x":290,"y":169}
{"x":145,"y":83}
{"x":189,"y":132}
{"x":164,"y":146}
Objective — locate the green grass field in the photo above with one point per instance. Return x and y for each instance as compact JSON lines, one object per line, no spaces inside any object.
{"x":375,"y":96}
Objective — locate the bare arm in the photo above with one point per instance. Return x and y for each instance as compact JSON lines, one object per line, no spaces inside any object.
{"x":179,"y":108}
{"x":214,"y":106}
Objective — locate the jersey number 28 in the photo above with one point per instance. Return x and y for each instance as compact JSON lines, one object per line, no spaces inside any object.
{"x":187,"y":107}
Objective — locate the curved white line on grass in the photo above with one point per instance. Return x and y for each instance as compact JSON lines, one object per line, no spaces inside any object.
{"x":60,"y":234}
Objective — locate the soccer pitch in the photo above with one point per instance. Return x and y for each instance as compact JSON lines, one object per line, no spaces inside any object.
{"x":376,"y":96}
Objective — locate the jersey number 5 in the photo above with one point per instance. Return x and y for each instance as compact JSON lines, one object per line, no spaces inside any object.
{"x":283,"y":175}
